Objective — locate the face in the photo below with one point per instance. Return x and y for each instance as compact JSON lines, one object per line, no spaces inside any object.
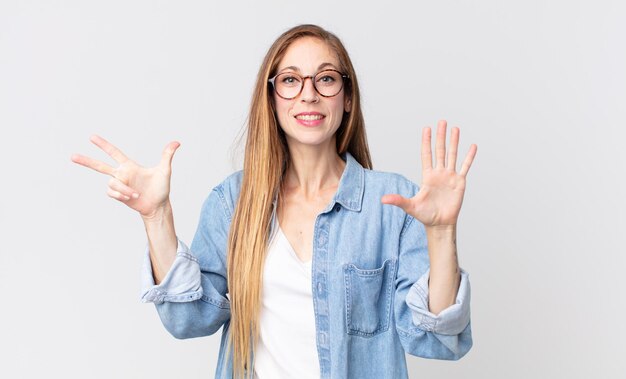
{"x":309,"y":118}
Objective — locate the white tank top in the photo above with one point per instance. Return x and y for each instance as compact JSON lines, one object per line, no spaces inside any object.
{"x":287,"y":346}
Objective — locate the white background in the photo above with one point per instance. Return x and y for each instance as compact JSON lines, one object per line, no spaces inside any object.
{"x":540,"y":86}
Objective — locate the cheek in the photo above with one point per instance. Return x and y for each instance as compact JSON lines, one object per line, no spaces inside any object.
{"x":282,"y":108}
{"x":337,"y":108}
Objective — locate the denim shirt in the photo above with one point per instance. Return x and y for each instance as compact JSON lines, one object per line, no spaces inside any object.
{"x":370,"y":269}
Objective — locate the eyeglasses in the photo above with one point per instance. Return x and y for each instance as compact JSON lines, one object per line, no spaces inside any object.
{"x":327,"y":83}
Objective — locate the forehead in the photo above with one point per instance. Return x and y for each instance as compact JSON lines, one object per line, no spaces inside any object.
{"x":307,"y":53}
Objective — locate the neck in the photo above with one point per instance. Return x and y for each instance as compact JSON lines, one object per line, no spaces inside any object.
{"x":313,"y":169}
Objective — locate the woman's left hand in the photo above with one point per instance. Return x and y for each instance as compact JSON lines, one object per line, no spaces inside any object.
{"x":438,"y":202}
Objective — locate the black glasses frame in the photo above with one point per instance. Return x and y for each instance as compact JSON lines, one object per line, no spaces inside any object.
{"x":312,"y":77}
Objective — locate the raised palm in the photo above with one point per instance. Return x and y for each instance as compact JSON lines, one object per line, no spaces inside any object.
{"x":439,"y":199}
{"x":143,"y":189}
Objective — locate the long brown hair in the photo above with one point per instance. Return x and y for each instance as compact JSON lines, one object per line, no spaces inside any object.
{"x":266,"y":156}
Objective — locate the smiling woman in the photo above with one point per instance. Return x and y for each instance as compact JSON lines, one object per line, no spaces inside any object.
{"x":299,"y":257}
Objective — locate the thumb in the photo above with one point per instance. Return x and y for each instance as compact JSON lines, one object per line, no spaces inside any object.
{"x":168,"y":154}
{"x":397,"y":200}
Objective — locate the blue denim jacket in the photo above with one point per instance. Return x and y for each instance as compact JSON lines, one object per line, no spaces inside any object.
{"x":369,"y":278}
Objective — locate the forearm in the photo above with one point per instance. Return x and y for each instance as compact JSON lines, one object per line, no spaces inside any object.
{"x":445,"y":275}
{"x":162,"y":241}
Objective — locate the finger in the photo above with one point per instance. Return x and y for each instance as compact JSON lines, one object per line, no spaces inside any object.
{"x":453,"y":149}
{"x":467,"y":163}
{"x":397,"y":200}
{"x":440,"y":144}
{"x":427,"y":153}
{"x":93,"y":164}
{"x":117,"y":196}
{"x":168,"y":154}
{"x":116,"y":185}
{"x":108,"y":148}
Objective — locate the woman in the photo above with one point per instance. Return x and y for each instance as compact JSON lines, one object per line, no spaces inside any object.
{"x":300,"y":256}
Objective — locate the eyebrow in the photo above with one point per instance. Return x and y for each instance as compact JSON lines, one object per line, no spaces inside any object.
{"x":294,"y":68}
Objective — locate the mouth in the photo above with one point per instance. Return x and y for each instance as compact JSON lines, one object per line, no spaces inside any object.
{"x":309,"y":116}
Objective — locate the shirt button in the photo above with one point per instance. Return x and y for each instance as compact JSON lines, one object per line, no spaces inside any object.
{"x":337,"y":208}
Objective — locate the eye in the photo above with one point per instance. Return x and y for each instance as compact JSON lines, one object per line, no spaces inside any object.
{"x":289,"y":79}
{"x":326,"y":79}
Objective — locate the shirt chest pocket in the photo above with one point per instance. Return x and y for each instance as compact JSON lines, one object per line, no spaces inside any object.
{"x":369,"y":295}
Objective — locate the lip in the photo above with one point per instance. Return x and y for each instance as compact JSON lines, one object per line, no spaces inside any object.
{"x":308,"y":114}
{"x":309,"y":123}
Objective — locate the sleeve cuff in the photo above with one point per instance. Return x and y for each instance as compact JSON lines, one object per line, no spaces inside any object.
{"x":450,"y":321}
{"x":182,"y":283}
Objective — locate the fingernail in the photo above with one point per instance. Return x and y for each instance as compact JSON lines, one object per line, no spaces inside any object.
{"x":135,"y":195}
{"x":126,"y":197}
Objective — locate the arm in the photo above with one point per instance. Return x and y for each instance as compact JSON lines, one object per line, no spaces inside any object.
{"x":430,"y":283}
{"x":188,"y":288}
{"x":162,"y":240}
{"x":445,"y":275}
{"x":191,"y":299}
{"x":445,"y":335}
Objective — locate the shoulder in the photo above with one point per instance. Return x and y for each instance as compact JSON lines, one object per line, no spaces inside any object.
{"x":231,"y":185}
{"x":388,"y":182}
{"x":225,"y":194}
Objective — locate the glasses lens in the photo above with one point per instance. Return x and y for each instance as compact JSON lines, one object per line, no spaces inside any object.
{"x":288,"y":85}
{"x":328,"y":83}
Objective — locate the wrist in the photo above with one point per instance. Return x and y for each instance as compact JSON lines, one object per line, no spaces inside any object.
{"x":159,"y":214}
{"x":442,"y":249}
{"x":441,"y":232}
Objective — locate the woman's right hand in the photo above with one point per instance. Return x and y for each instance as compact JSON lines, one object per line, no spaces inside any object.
{"x":144,"y":189}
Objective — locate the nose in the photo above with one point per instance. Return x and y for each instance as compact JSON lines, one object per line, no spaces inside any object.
{"x":309,"y":93}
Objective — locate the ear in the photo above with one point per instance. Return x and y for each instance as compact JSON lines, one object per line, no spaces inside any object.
{"x":348,"y":105}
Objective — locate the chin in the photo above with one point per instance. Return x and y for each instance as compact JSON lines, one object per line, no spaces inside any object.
{"x":311,"y":136}
{"x":309,"y":141}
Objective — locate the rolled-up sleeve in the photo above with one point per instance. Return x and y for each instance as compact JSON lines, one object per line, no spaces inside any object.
{"x":450,"y":321}
{"x":182,"y":282}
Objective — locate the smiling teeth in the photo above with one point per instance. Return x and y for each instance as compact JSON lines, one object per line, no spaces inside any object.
{"x":309,"y":117}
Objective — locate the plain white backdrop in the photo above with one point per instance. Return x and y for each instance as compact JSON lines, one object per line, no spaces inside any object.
{"x":540,"y":86}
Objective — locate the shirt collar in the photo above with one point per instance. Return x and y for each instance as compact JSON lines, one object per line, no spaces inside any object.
{"x":350,"y":191}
